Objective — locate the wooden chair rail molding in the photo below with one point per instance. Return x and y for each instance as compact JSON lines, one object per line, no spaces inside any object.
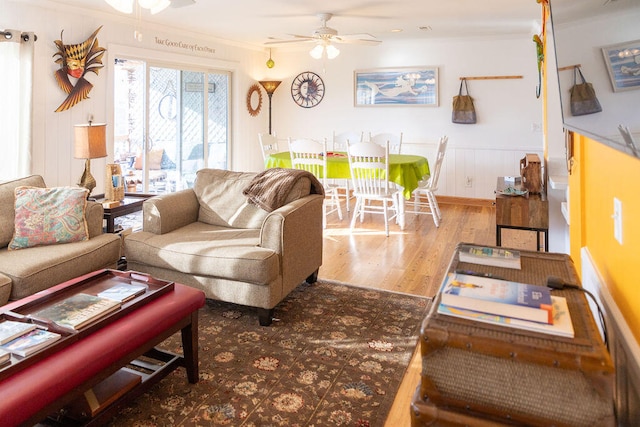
{"x":490,"y":77}
{"x":569,"y":67}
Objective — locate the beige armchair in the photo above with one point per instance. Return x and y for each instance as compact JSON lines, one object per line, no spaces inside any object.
{"x":211,"y":238}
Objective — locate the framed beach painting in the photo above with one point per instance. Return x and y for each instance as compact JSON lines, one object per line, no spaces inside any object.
{"x":405,"y":86}
{"x":623,"y":65}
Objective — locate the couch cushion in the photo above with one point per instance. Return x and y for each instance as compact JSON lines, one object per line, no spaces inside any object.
{"x":222,"y":203}
{"x":46,"y":216}
{"x":7,"y":205}
{"x":35,"y":269}
{"x":206,"y":250}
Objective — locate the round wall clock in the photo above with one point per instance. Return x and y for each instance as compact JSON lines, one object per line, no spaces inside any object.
{"x":254,"y":100}
{"x":307,"y":89}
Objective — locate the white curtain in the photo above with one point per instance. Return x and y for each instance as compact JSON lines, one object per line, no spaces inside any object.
{"x":16,"y":87}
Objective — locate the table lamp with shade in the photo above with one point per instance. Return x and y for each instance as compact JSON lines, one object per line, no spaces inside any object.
{"x":90,"y":142}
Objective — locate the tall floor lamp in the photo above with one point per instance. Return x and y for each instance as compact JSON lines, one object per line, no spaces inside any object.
{"x":90,"y":142}
{"x":270,"y":86}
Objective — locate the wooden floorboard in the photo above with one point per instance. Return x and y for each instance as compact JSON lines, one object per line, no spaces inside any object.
{"x":412,"y":261}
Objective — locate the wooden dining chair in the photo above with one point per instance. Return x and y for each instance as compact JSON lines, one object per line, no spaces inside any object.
{"x":339,"y":143}
{"x":394,"y":140}
{"x":369,"y":165}
{"x":268,"y":144}
{"x":310,"y":155}
{"x":429,"y":185}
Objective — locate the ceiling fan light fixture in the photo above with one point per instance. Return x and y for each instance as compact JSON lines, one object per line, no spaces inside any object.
{"x":126,"y":6}
{"x":122,"y":6}
{"x":332,"y":51}
{"x":159,"y":6}
{"x":317,"y":51}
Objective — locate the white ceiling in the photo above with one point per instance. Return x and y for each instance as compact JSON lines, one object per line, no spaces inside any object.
{"x":255,"y":22}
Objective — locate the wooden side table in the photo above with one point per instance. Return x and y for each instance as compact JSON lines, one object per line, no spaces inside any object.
{"x":132,"y":203}
{"x":530,"y":212}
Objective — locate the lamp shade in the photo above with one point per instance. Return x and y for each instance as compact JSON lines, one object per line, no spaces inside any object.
{"x":270,"y":86}
{"x":90,"y":141}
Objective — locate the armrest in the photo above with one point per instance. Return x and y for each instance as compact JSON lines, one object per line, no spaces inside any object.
{"x":298,"y":220}
{"x":167,"y":212}
{"x":295,"y":232}
{"x":94,"y":215}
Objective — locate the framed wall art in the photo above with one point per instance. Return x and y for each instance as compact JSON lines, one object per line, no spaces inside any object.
{"x":623,"y":65}
{"x":405,"y":86}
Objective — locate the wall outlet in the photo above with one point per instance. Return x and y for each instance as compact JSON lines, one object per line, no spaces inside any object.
{"x":468,"y":182}
{"x":617,"y":219}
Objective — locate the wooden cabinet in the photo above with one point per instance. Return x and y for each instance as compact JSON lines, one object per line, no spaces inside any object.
{"x":529,"y":212}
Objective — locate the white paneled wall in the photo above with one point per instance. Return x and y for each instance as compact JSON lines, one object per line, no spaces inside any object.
{"x":482,"y":165}
{"x":509,"y":114}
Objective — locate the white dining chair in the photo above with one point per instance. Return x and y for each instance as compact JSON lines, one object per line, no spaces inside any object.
{"x":310,"y":155}
{"x":339,"y":143}
{"x":394,"y":140}
{"x":429,"y":185}
{"x":268,"y":144}
{"x":369,"y":165}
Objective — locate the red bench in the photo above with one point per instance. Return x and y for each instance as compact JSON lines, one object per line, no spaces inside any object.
{"x":31,"y":394}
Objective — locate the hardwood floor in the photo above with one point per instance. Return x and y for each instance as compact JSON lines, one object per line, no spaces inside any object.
{"x":411,"y":261}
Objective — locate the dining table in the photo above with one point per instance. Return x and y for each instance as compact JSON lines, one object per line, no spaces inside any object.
{"x":405,"y":170}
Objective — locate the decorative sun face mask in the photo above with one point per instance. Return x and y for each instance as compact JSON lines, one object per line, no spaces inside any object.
{"x":76,"y":60}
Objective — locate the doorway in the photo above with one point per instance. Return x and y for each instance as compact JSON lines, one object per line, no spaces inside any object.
{"x":169,"y":122}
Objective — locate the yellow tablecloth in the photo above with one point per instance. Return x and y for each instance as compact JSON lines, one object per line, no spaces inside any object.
{"x":404,"y":169}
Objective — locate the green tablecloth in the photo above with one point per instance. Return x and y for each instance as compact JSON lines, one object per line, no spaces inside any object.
{"x":404,"y":169}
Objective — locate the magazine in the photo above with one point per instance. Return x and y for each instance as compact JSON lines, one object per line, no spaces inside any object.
{"x":78,"y":310}
{"x":10,"y":330}
{"x":484,"y":255}
{"x":31,"y":342}
{"x":123,"y":292}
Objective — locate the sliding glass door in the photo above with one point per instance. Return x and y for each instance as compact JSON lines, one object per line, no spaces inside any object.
{"x":169,"y":122}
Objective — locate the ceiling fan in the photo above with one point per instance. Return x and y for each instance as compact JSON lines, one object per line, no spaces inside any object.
{"x":324,"y":36}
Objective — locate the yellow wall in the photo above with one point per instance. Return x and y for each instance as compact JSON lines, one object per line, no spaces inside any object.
{"x":601,"y":173}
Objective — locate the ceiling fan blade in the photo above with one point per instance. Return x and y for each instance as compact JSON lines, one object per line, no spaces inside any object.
{"x":359,"y":41}
{"x":182,"y":3}
{"x":363,"y":38}
{"x":299,"y":39}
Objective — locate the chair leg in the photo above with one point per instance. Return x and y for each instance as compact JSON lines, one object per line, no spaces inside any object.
{"x":435,"y":209}
{"x":386,"y":217}
{"x":347,"y":194}
{"x":356,"y":212}
{"x":324,"y":214}
{"x":336,"y":201}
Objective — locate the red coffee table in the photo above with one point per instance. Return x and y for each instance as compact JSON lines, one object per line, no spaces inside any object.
{"x":58,"y":378}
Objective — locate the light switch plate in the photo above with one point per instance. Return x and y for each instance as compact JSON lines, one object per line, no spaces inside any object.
{"x":617,"y":219}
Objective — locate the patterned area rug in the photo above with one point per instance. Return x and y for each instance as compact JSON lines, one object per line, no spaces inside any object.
{"x":336,"y":356}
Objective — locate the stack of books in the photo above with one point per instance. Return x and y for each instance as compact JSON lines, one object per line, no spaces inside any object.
{"x":23,"y":339}
{"x":503,"y":302}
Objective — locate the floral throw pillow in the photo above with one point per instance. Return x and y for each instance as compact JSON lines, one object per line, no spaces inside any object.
{"x":45,"y":216}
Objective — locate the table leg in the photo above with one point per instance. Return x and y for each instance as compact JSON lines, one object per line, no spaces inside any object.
{"x":111,"y":224}
{"x":401,"y":209}
{"x":190,"y":348}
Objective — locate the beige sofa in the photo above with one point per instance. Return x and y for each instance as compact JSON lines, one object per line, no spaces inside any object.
{"x":210,"y":237}
{"x":26,"y":271}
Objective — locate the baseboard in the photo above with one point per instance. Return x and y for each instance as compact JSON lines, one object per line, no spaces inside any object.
{"x":624,"y":349}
